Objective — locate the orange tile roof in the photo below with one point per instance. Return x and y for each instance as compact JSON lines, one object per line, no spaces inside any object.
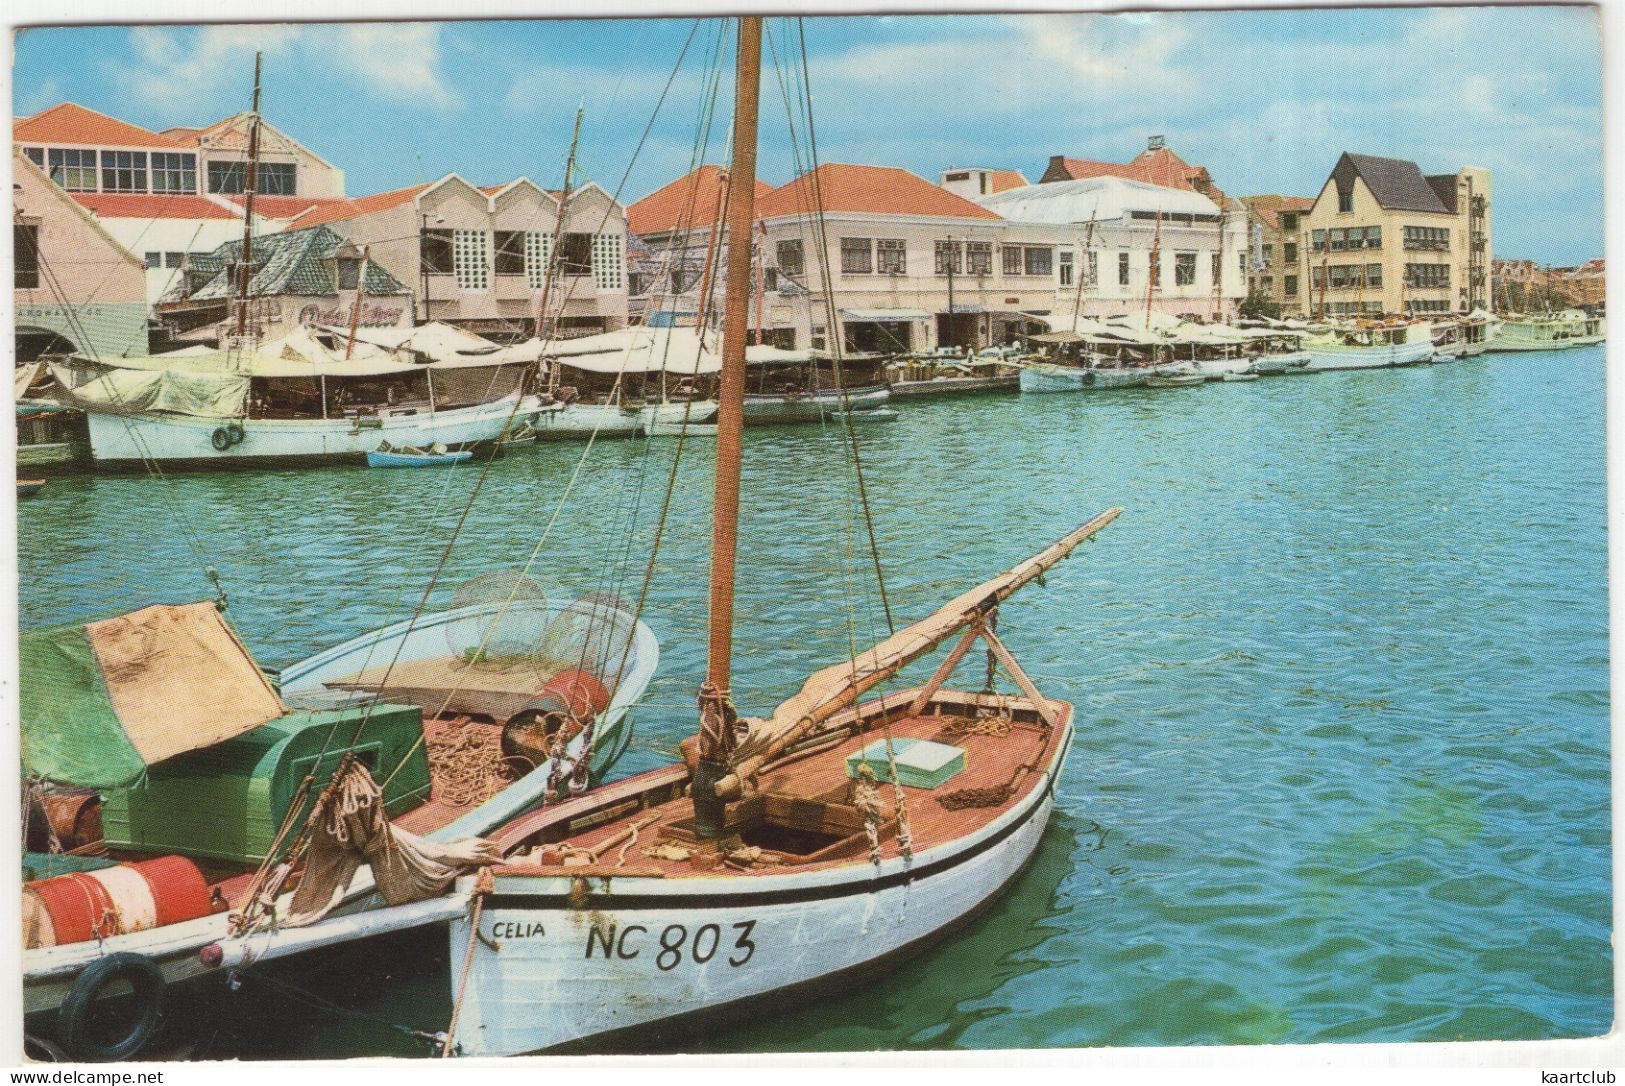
{"x":183,"y":135}
{"x":285,"y":207}
{"x":688,"y":203}
{"x":1005,"y":180}
{"x":877,"y":190}
{"x":71,"y":123}
{"x":1154,"y":166}
{"x":338,"y":210}
{"x":1269,"y":207}
{"x":140,"y":205}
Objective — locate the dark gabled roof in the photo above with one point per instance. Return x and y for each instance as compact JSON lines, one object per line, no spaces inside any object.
{"x":288,"y":263}
{"x":1444,"y":187}
{"x":1396,"y":183}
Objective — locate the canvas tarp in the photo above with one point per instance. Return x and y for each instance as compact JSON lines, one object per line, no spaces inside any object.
{"x":171,"y":391}
{"x":104,"y":700}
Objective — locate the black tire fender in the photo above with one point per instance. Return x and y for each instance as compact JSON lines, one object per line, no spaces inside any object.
{"x":234,"y":433}
{"x":220,"y":439}
{"x":74,"y":1015}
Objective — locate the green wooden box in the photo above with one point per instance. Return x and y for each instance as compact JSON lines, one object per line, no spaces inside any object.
{"x":227,"y":801}
{"x":920,"y":762}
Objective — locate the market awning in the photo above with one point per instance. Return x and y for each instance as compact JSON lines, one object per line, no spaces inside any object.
{"x":861,"y":316}
{"x":104,"y":700}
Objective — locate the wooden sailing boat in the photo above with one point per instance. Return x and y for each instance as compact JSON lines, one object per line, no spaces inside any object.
{"x":833,"y":835}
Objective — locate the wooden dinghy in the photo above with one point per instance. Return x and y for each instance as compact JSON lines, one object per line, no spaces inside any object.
{"x":378,"y":458}
{"x":29,"y":488}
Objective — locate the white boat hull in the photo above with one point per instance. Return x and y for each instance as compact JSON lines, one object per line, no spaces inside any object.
{"x":181,"y":439}
{"x":1277,"y":364}
{"x":813,"y":406}
{"x":581,"y":420}
{"x":1514,"y":336}
{"x":1042,"y":377}
{"x":642,"y":951}
{"x":1216,"y":369}
{"x":48,"y":972}
{"x":1381,"y":356}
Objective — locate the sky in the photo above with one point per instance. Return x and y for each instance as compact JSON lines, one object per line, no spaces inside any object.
{"x":1266,"y":100}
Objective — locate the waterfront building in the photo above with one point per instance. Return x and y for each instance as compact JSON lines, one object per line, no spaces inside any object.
{"x":1586,"y":284}
{"x":167,"y":195}
{"x":1123,"y":243}
{"x":299,"y":278}
{"x":478,"y":257}
{"x":1275,"y":264}
{"x":1383,"y":237}
{"x":74,"y":287}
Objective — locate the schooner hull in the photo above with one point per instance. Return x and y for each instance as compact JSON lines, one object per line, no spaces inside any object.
{"x":185,"y":440}
{"x":640,"y":952}
{"x":1046,"y":378}
{"x":1323,"y":358}
{"x":813,"y":406}
{"x":1269,"y":365}
{"x":1523,"y":337}
{"x":582,"y":420}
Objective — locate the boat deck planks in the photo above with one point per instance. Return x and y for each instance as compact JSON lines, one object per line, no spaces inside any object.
{"x":819,"y":780}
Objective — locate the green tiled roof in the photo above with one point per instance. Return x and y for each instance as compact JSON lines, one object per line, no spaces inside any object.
{"x":295,"y":262}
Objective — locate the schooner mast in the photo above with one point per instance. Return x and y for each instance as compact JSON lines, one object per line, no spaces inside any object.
{"x":716,"y":706}
{"x":250,"y":184}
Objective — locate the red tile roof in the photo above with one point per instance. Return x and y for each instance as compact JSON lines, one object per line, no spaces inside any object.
{"x":140,"y":205}
{"x":877,"y":190}
{"x":337,"y":210}
{"x":71,"y":123}
{"x":1004,"y":180}
{"x":1154,"y":166}
{"x":1269,"y":207}
{"x":688,"y":203}
{"x":286,"y":207}
{"x":183,"y":135}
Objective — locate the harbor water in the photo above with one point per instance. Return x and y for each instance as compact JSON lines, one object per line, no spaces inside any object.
{"x":1341,"y":672}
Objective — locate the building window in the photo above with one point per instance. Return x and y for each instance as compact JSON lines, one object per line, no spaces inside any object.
{"x":36,"y":155}
{"x":469,"y":262}
{"x":1427,"y":276}
{"x":1339,"y":277}
{"x":1012,"y":260}
{"x":25,"y":242}
{"x":1091,"y":268}
{"x":1373,"y":237}
{"x":1317,"y":241}
{"x":1269,"y":284}
{"x":609,"y":262}
{"x":1427,"y":237}
{"x":124,"y":171}
{"x":790,"y":257}
{"x":857,"y":256}
{"x":1122,"y":269}
{"x":1066,"y":267}
{"x":1338,"y":240}
{"x":979,"y":257}
{"x":575,"y":254}
{"x":1345,"y":201}
{"x":348,"y":272}
{"x":508,"y":253}
{"x":270,"y":178}
{"x":1289,"y":222}
{"x":174,"y":173}
{"x":1373,"y":275}
{"x":1289,"y":252}
{"x":74,"y":171}
{"x":1317,"y":277}
{"x":174,"y":260}
{"x":1291,"y":287}
{"x":1184,"y":269}
{"x":948,"y":258}
{"x":538,"y":247}
{"x":892,"y":255}
{"x":1218,"y":263}
{"x":437,"y":253}
{"x":1040,"y":261}
{"x":1269,"y":254}
{"x":155,"y":259}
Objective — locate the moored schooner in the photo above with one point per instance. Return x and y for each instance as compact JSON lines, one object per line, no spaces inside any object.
{"x":830,"y":836}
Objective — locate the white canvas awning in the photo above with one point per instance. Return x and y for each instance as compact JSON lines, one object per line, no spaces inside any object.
{"x":640,"y":350}
{"x":873,"y":315}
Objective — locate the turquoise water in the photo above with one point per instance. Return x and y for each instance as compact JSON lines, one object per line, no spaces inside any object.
{"x":1342,"y":769}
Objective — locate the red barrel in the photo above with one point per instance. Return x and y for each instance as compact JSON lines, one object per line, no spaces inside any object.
{"x":576,"y":693}
{"x":178,"y":890}
{"x":85,"y":905}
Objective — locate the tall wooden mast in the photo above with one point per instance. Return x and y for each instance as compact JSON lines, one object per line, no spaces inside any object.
{"x":250,"y":183}
{"x":716,"y":708}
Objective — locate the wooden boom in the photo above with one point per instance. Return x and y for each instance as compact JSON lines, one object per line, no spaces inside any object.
{"x":838,"y":686}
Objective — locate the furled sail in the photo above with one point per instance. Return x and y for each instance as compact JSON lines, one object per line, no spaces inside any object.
{"x":838,"y":686}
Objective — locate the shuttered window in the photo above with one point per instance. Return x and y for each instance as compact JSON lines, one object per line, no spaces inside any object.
{"x":469,"y":259}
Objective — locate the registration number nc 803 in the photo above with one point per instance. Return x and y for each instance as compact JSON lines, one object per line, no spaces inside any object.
{"x":674,"y":944}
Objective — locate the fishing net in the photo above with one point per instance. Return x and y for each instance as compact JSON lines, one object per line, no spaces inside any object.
{"x":504,"y":621}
